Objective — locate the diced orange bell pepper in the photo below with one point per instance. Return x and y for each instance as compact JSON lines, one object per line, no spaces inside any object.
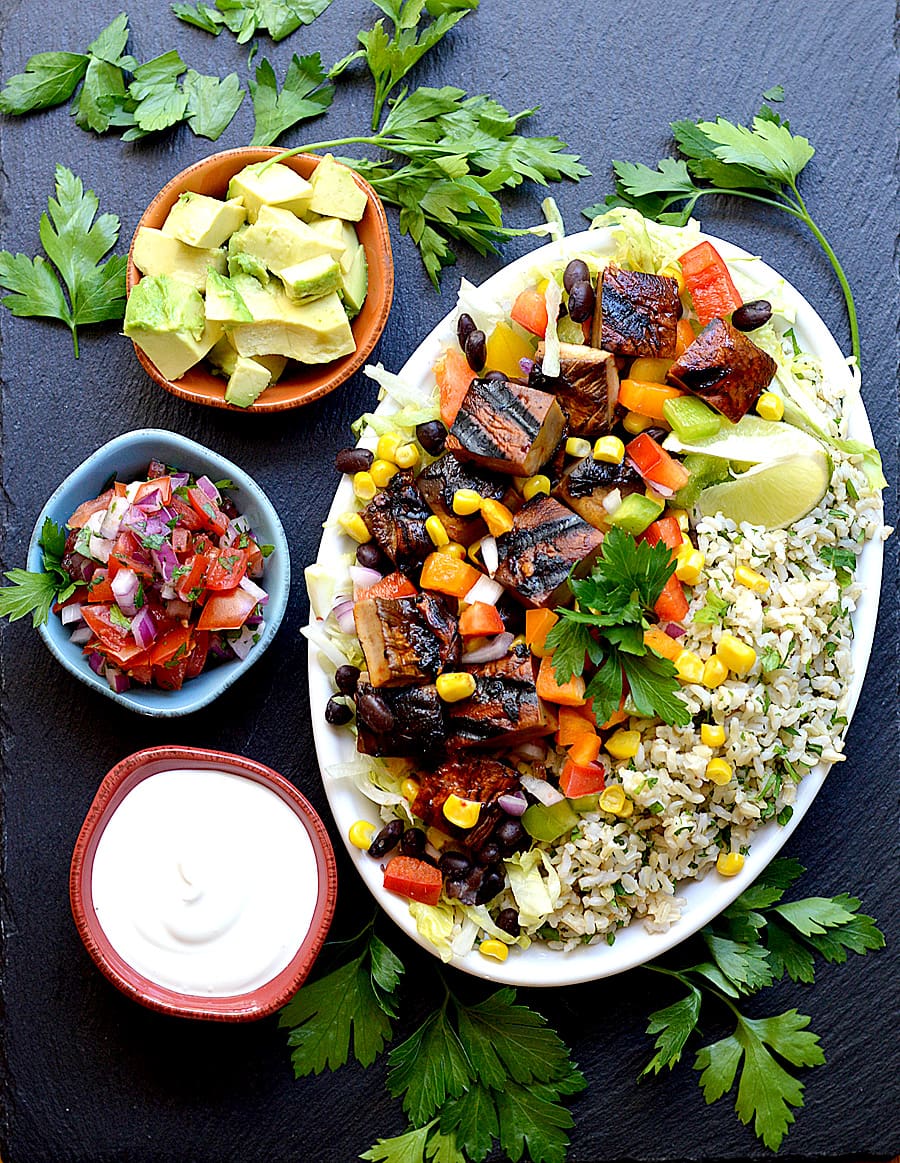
{"x":530,"y":311}
{"x":684,"y":336}
{"x":454,"y":377}
{"x":448,"y":575}
{"x":480,"y":619}
{"x":573,"y":724}
{"x":662,"y":643}
{"x":414,"y":879}
{"x":585,"y":750}
{"x":576,"y":780}
{"x":569,"y":694}
{"x":646,"y":398}
{"x":618,"y":716}
{"x":393,"y":585}
{"x":709,"y":282}
{"x":672,"y":605}
{"x":538,"y":624}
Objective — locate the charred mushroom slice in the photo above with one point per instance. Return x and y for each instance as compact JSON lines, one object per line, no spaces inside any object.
{"x":504,"y":710}
{"x":413,"y":725}
{"x":481,"y":780}
{"x":439,"y":481}
{"x":546,"y":541}
{"x":725,"y":368}
{"x":589,"y":482}
{"x":396,"y":519}
{"x":406,"y":640}
{"x":587,"y":387}
{"x":506,"y":427}
{"x":636,"y":314}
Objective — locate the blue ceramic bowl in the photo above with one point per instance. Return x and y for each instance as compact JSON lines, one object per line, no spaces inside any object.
{"x":128,"y":456}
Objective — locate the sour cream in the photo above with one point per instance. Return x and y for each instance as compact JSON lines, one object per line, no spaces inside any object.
{"x":205,"y":882}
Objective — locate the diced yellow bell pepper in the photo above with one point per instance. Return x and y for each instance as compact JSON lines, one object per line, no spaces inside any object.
{"x":505,"y":348}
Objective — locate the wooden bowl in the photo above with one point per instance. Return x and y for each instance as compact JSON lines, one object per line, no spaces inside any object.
{"x":211,"y":176}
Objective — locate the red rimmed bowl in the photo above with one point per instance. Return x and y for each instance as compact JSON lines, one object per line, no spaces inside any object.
{"x":258,"y":1002}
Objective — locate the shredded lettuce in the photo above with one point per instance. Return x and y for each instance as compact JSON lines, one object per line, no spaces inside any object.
{"x":643,"y":245}
{"x":394,"y":388}
{"x":435,"y":923}
{"x":554,"y":227}
{"x":322,"y":582}
{"x":536,"y":898}
{"x":553,"y":298}
{"x":405,"y":420}
{"x":486,"y":311}
{"x":373,"y":778}
{"x":480,"y":916}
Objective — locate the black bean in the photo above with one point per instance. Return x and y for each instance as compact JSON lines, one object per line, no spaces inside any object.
{"x":412,"y":842}
{"x":346,"y":678}
{"x":581,"y":302}
{"x":465,"y":325}
{"x":509,"y":835}
{"x":657,"y":434}
{"x":508,"y":921}
{"x":476,"y":350}
{"x":496,"y":377}
{"x":387,"y":839}
{"x":752,"y":315}
{"x":352,"y":460}
{"x":576,"y":272}
{"x":432,"y":436}
{"x":455,"y":865}
{"x":489,"y":853}
{"x":337,"y":713}
{"x":375,"y":713}
{"x":492,"y":884}
{"x":370,"y":556}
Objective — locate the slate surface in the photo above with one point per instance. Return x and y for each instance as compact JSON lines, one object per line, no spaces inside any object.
{"x":89,"y":1076}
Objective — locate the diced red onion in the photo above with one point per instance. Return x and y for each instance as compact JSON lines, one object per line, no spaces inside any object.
{"x":81,"y":635}
{"x":498,"y":648}
{"x":112,"y":522}
{"x":118,"y":681}
{"x":612,"y":501}
{"x":254,"y":620}
{"x":244,"y":643}
{"x":154,"y":524}
{"x":513,"y":804}
{"x":143,"y":628}
{"x":536,"y":751}
{"x":97,"y":662}
{"x":150,"y":502}
{"x":254,"y":590}
{"x":675,"y":631}
{"x":165,"y":561}
{"x":167,"y":592}
{"x":485,"y":590}
{"x":218,"y":648}
{"x":176,"y":608}
{"x":180,"y":479}
{"x":209,"y":488}
{"x":125,"y":587}
{"x":489,"y":554}
{"x":79,"y":567}
{"x":542,"y":791}
{"x":70,"y":614}
{"x":100,"y":548}
{"x":236,"y":526}
{"x":527,"y":365}
{"x":343,"y":612}
{"x":363,"y":577}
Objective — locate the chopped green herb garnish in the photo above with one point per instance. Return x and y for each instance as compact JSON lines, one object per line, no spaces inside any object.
{"x":714,"y":611}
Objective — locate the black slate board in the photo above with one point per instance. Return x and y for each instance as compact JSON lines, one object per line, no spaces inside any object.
{"x":90,"y":1076}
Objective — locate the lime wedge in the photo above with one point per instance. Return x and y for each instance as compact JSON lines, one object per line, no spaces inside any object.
{"x":771,"y":495}
{"x":752,"y":441}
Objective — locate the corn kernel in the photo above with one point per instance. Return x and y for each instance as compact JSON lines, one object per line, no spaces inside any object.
{"x":578,"y":446}
{"x":409,"y":788}
{"x":650,"y":369}
{"x":745,"y":576}
{"x":612,"y":799}
{"x":623,"y":744}
{"x":494,"y":948}
{"x":382,"y":471}
{"x":690,"y":563}
{"x":462,"y":813}
{"x":718,"y":772}
{"x":455,"y":685}
{"x":714,"y":672}
{"x":453,"y":549}
{"x":434,"y":527}
{"x":354,"y":526}
{"x":673,"y":271}
{"x":770,"y":406}
{"x":361,"y":834}
{"x":689,"y":666}
{"x":407,"y":456}
{"x":681,"y":516}
{"x":729,"y":863}
{"x":535,"y":485}
{"x":466,"y":502}
{"x":496,"y":516}
{"x":388,"y":445}
{"x":609,"y":449}
{"x":736,"y":655}
{"x":712,"y":734}
{"x":634,"y":423}
{"x":364,"y":486}
{"x":627,"y":810}
{"x":474,"y":552}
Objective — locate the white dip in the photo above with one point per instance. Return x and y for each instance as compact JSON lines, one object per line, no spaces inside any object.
{"x":205,"y":882}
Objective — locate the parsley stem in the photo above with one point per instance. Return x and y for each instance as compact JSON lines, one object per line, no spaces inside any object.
{"x":74,"y":331}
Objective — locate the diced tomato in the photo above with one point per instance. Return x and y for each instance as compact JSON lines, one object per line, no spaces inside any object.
{"x":255,"y":559}
{"x":393,"y":585}
{"x":530,"y":311}
{"x":140,"y":671}
{"x":225,"y":568}
{"x":672,"y":605}
{"x":665,"y":529}
{"x":480,"y":619}
{"x":171,"y":677}
{"x":161,"y":485}
{"x":191,"y":580}
{"x":654,"y":463}
{"x":128,"y":552}
{"x":87,"y":509}
{"x":711,"y":287}
{"x":581,"y":780}
{"x":98,"y":588}
{"x":181,"y":540}
{"x":120,"y":488}
{"x":196,"y":660}
{"x":208,"y":511}
{"x":173,"y":644}
{"x":186,"y":515}
{"x":98,"y":618}
{"x":454,"y":377}
{"x":414,"y":879}
{"x":227,"y":610}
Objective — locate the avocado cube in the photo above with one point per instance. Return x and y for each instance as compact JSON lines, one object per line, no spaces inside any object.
{"x":311,"y":279}
{"x":156,"y":253}
{"x":277,"y":186}
{"x":313,"y":333}
{"x":202,"y":221}
{"x":335,"y":192}
{"x":331,"y":232}
{"x":279,"y":239}
{"x":355,"y":284}
{"x":223,"y":301}
{"x":247,"y":382}
{"x":351,"y":246}
{"x":165,"y":319}
{"x":242,"y":263}
{"x":223,"y":359}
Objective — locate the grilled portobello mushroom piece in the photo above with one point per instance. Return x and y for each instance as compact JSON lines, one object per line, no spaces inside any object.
{"x":725,"y":368}
{"x":396,"y":519}
{"x":418,"y":726}
{"x":507,"y":427}
{"x":406,"y":640}
{"x":439,"y":481}
{"x":587,"y":387}
{"x":480,"y":779}
{"x":589,"y":482}
{"x":636,"y":313}
{"x":546,"y":541}
{"x":504,"y":710}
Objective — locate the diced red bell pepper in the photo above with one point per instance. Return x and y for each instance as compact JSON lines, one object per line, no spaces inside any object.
{"x":654,"y":463}
{"x":394,"y":585}
{"x":665,"y":529}
{"x":414,"y":879}
{"x":225,"y":568}
{"x":191,"y":580}
{"x":208,"y":511}
{"x":586,"y":780}
{"x":711,"y":287}
{"x":530,"y":311}
{"x":227,"y":610}
{"x":671,"y":605}
{"x":87,"y":509}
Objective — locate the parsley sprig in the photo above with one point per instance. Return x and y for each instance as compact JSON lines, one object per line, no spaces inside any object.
{"x":761,"y":162}
{"x":34,"y":593}
{"x":607,"y":629}
{"x":754,"y":943}
{"x":247,"y":17}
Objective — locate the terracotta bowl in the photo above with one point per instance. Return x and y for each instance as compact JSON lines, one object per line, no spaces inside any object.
{"x":211,"y":176}
{"x":240,"y":1008}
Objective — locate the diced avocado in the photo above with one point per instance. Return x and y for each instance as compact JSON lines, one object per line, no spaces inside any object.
{"x":165,"y":319}
{"x":276,"y":185}
{"x":156,"y":253}
{"x":247,"y":382}
{"x":223,"y":359}
{"x":279,"y":239}
{"x":312,"y":279}
{"x":331,"y":232}
{"x":202,"y":221}
{"x":356,"y":284}
{"x":223,"y":301}
{"x":351,"y":246}
{"x":240,"y":262}
{"x":335,"y":192}
{"x":635,"y":513}
{"x":315,"y":332}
